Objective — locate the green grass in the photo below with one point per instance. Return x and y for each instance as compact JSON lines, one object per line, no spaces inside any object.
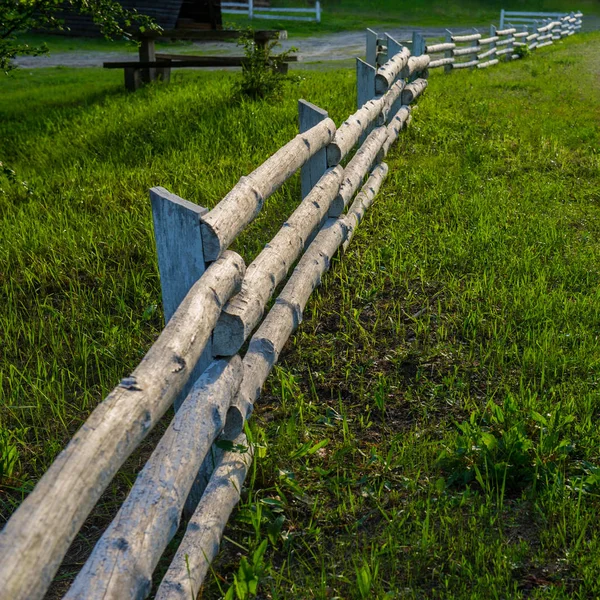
{"x":431,"y":428}
{"x":343,"y":15}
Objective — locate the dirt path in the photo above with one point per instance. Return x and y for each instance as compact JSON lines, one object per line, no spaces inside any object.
{"x":315,"y":49}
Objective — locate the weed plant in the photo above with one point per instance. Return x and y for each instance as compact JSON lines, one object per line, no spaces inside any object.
{"x":430,"y":430}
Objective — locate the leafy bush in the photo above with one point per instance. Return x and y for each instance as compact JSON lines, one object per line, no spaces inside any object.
{"x":264,"y":73}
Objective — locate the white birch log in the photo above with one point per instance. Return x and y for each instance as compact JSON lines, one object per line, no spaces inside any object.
{"x":533,"y":45}
{"x":520,"y":34}
{"x":441,"y":62}
{"x":285,"y":315}
{"x":487,"y":53}
{"x":244,"y":310}
{"x":123,"y":560}
{"x":533,"y":36}
{"x":389,"y":99}
{"x":466,"y":65}
{"x":390,"y":71}
{"x":395,"y":127}
{"x":504,"y":51}
{"x":488,"y":40}
{"x":549,"y":43}
{"x":471,"y":37}
{"x":363,"y":201}
{"x":466,"y":51}
{"x":413,"y":90}
{"x":241,"y":205}
{"x":506,"y":31}
{"x":543,"y":38}
{"x":351,"y":129}
{"x":443,"y":47}
{"x":200,"y":544}
{"x":360,"y":165}
{"x":36,"y":538}
{"x":489,"y":63}
{"x":505,"y":42}
{"x":415,"y":64}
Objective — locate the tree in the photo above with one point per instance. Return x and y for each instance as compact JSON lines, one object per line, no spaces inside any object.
{"x":20,"y":16}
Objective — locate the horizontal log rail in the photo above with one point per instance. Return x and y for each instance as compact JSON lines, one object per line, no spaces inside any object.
{"x":196,"y":364}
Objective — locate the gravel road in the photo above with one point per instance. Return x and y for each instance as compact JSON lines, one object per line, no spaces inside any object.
{"x":315,"y":49}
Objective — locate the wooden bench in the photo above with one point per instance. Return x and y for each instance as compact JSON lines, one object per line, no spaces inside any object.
{"x":152,"y":66}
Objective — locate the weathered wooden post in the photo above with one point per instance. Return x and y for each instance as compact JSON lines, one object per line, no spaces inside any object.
{"x":448,"y":53}
{"x":147,"y":53}
{"x":502,"y":19}
{"x":372,"y":44}
{"x":475,"y":44}
{"x":493,"y":44}
{"x":181,"y":263}
{"x":310,"y":115}
{"x":365,"y":82}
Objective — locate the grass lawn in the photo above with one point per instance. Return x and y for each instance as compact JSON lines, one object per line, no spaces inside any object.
{"x":431,"y":428}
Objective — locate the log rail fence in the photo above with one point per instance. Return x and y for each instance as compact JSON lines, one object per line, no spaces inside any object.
{"x":214,"y":305}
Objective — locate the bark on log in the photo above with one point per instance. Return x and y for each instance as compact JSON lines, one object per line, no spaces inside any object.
{"x":241,"y":205}
{"x":543,"y":38}
{"x":505,"y":42}
{"x":488,"y":40}
{"x":466,"y":38}
{"x":390,"y":71}
{"x":549,"y":43}
{"x":286,"y":314}
{"x":363,"y":201}
{"x":487,"y":53}
{"x":200,"y":544}
{"x":244,"y":310}
{"x":415,"y":64}
{"x":466,"y":51}
{"x":125,"y":557}
{"x":360,"y":165}
{"x":533,"y":36}
{"x":35,"y":540}
{"x":389,"y":99}
{"x":435,"y":48}
{"x":351,"y":129}
{"x":396,"y":125}
{"x":506,"y":31}
{"x":489,"y":63}
{"x":441,"y":62}
{"x":413,"y":90}
{"x":466,"y":65}
{"x":533,"y":45}
{"x":520,"y":34}
{"x":504,"y":52}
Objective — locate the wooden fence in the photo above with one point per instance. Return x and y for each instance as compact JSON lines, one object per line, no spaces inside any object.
{"x":471,"y":50}
{"x":213,"y":305}
{"x":258,"y":11}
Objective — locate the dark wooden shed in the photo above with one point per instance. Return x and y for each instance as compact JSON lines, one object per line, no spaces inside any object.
{"x":169,"y":14}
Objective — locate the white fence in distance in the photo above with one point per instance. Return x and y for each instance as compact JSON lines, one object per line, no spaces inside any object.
{"x":272,"y":13}
{"x":518,"y":17}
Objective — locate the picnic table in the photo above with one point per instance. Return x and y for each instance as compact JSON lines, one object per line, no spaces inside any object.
{"x":153,"y":66}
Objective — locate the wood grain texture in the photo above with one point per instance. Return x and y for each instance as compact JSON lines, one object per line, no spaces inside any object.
{"x":286,"y":314}
{"x":360,"y":165}
{"x":390,"y":100}
{"x":310,"y":115}
{"x":243,"y":203}
{"x":244,"y":310}
{"x":471,"y":37}
{"x":36,"y":538}
{"x":388,"y":73}
{"x":200,"y":544}
{"x":363,"y":201}
{"x":349,"y":132}
{"x":413,"y":90}
{"x":395,"y":126}
{"x":435,"y":48}
{"x":123,"y":560}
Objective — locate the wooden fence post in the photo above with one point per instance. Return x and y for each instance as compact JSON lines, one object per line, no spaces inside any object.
{"x":475,"y":44}
{"x":310,"y":115}
{"x":448,"y":53}
{"x":371,"y":57}
{"x":493,"y":44}
{"x":178,"y":238}
{"x":147,"y":53}
{"x":501,"y":19}
{"x":365,"y":82}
